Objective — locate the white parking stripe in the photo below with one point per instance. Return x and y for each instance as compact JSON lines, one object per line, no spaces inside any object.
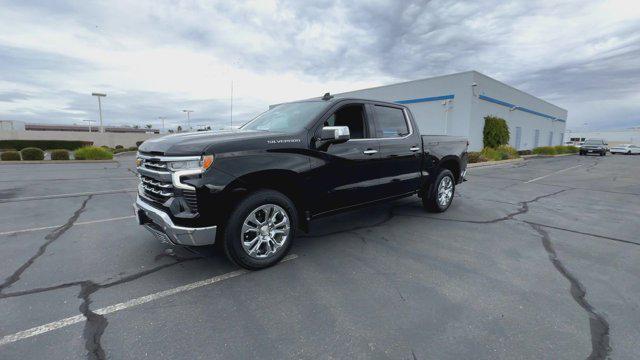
{"x":12,"y":232}
{"x":43,"y":197}
{"x":8,"y":339}
{"x":553,"y":173}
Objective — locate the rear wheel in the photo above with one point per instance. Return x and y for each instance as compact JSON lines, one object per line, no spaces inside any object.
{"x":260,"y":230}
{"x":440,"y":195}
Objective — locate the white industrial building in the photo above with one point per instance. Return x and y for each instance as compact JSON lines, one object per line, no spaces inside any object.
{"x":456,"y":104}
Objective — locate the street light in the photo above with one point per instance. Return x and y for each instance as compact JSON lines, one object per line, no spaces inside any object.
{"x":162,"y":118}
{"x":188,"y":118}
{"x":99,"y":95}
{"x":89,"y":121}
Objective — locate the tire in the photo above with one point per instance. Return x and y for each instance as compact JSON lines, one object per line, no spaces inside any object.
{"x":239,"y":230}
{"x":430,"y":198}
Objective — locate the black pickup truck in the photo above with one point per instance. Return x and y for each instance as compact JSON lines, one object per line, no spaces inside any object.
{"x":250,"y":190}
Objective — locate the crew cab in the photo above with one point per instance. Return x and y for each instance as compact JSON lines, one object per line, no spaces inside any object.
{"x":250,"y":190}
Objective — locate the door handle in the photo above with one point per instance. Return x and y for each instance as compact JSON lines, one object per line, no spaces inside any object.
{"x":414,"y":148}
{"x":370,"y":152}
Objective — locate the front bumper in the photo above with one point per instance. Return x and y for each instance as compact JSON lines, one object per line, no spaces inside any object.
{"x":162,"y":227}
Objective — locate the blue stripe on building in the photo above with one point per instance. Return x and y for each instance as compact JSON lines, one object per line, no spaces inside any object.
{"x":516,"y":107}
{"x":426,"y":99}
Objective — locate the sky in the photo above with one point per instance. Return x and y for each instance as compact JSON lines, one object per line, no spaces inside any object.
{"x":156,"y":58}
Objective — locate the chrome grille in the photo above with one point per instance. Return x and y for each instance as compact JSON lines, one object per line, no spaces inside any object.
{"x":156,"y":190}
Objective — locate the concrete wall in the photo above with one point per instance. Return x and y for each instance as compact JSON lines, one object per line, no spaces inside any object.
{"x":99,"y":139}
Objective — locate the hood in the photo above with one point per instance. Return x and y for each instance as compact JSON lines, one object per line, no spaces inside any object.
{"x":198,"y":143}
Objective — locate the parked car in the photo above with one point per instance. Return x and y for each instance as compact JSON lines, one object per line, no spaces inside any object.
{"x":251,"y":189}
{"x":594,"y":146}
{"x":625,"y":149}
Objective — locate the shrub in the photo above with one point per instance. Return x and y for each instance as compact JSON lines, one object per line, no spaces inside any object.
{"x":476,"y":157}
{"x":525,"y":152}
{"x":133,"y":148}
{"x":117,"y":151}
{"x":93,"y":153}
{"x":10,"y":155}
{"x":502,"y":152}
{"x":119,"y":147}
{"x":43,"y":144}
{"x":138,"y":143}
{"x":31,"y":153}
{"x":545,"y":150}
{"x":562,"y":149}
{"x":495,"y":132}
{"x":60,"y":154}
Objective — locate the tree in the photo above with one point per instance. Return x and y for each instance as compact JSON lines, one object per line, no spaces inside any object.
{"x":136,"y":126}
{"x":179,"y":128}
{"x":495,"y":132}
{"x":170,"y":131}
{"x":149,"y":126}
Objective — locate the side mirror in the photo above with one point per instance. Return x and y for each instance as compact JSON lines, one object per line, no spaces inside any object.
{"x":335,"y":134}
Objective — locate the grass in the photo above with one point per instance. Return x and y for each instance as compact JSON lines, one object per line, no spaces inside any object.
{"x":93,"y":153}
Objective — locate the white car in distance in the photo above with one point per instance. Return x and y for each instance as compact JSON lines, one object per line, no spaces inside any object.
{"x":625,"y":149}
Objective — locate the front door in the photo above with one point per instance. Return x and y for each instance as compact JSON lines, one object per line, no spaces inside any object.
{"x":345,"y":174}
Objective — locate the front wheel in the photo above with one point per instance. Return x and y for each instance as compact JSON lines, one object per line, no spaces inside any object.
{"x":260,"y":230}
{"x":440,"y":194}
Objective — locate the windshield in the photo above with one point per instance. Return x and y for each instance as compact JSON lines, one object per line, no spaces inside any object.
{"x":593,"y":142}
{"x":289,"y":118}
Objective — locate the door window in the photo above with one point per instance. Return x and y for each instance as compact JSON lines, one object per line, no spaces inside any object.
{"x":390,"y":122}
{"x":351,"y":116}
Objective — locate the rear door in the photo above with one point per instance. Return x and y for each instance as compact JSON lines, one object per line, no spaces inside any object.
{"x":400,"y":150}
{"x":346,"y":174}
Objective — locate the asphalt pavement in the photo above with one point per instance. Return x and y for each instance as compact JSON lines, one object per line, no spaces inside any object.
{"x":537,"y":259}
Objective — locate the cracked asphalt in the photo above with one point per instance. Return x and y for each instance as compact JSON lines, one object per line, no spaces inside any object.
{"x":514,"y":269}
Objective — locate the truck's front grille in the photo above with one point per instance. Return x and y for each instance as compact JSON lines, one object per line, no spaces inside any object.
{"x":155,"y":190}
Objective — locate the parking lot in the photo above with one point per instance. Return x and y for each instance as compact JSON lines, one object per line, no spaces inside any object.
{"x":536,"y":259}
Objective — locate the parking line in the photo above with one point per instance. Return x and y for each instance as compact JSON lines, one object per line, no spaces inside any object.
{"x":38,"y":330}
{"x":553,"y":173}
{"x":12,"y":232}
{"x":44,"y":197}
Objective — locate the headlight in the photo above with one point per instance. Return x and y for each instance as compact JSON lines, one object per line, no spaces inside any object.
{"x":203,"y":164}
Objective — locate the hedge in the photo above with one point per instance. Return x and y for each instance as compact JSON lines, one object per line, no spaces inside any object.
{"x":502,"y":152}
{"x":476,"y":157}
{"x":32,"y":153}
{"x":10,"y":155}
{"x":43,"y":144}
{"x":495,"y":132}
{"x":59,"y":154}
{"x":545,"y":150}
{"x":93,"y":153}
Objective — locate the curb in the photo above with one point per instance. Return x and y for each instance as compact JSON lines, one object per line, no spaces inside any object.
{"x":490,"y":163}
{"x":125,"y":153}
{"x":543,"y":156}
{"x":36,"y":162}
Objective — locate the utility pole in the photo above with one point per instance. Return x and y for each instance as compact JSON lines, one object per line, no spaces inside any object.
{"x":99,"y":95}
{"x":162,"y":118}
{"x":89,"y":121}
{"x":188,"y":118}
{"x":231,"y":124}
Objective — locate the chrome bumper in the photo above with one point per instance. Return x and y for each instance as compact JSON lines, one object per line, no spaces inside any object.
{"x":161,"y":226}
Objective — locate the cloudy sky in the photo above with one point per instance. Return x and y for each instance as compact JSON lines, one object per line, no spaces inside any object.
{"x":154,"y":58}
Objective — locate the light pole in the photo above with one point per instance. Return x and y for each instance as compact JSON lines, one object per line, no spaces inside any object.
{"x":162,"y":118}
{"x":89,"y":121}
{"x":231,"y":104}
{"x":188,"y":118}
{"x":99,"y":95}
